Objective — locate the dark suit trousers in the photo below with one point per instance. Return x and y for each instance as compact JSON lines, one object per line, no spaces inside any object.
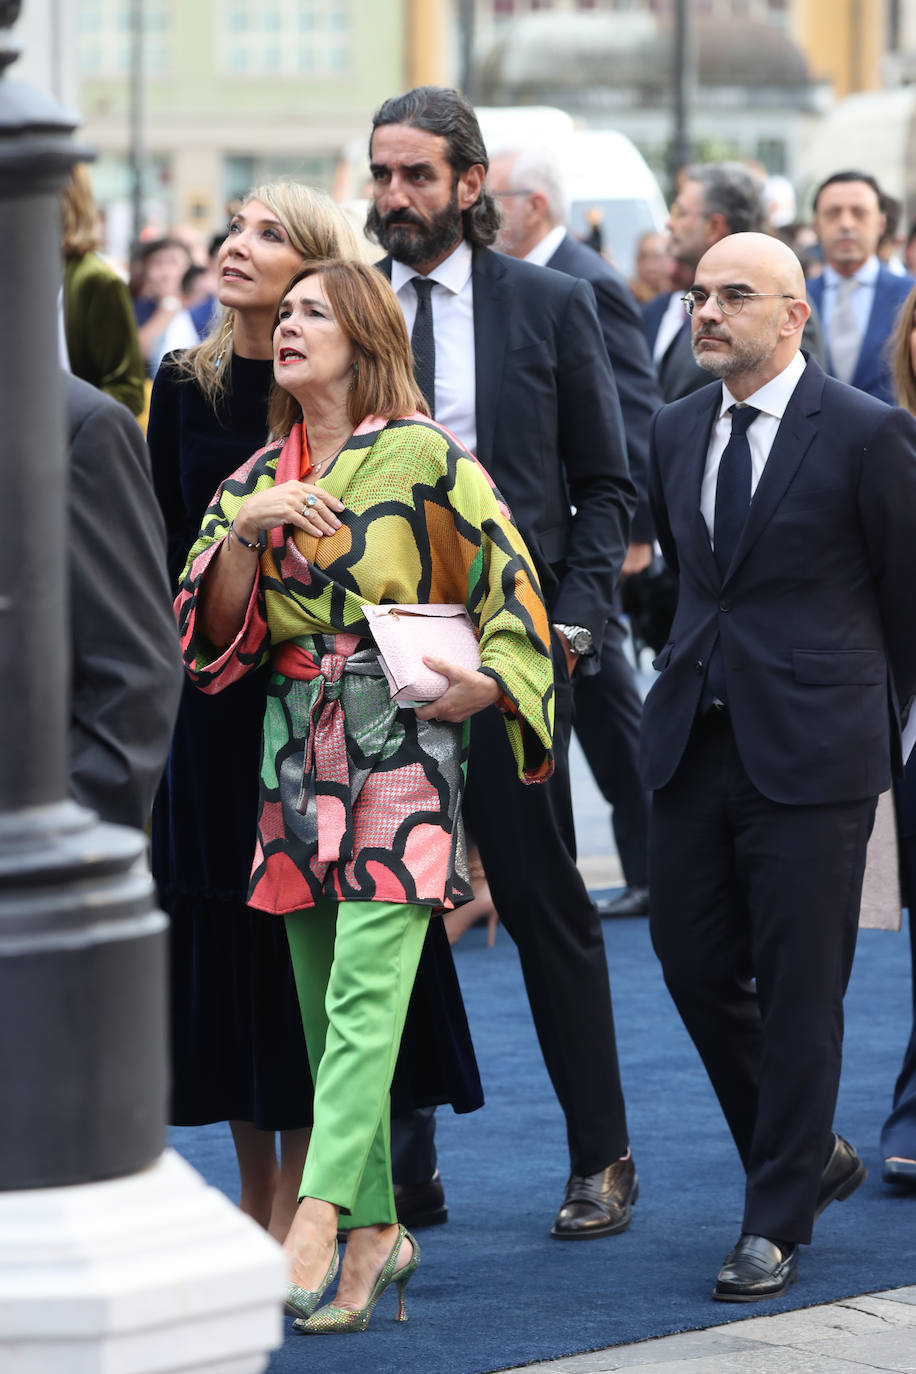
{"x":608,"y":713}
{"x":527,"y":843}
{"x":742,"y":888}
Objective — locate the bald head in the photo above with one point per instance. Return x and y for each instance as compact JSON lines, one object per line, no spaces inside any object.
{"x":761,"y":254}
{"x":750,"y":345}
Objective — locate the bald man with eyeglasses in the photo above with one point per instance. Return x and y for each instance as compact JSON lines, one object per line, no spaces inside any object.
{"x":784,"y":499}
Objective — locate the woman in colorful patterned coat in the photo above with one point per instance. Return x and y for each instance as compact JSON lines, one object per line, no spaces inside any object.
{"x":366,"y":500}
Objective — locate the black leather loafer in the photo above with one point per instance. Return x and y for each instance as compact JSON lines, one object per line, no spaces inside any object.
{"x":843,"y":1173}
{"x":421,"y":1204}
{"x":598,"y":1205}
{"x":632,"y":901}
{"x":900,"y":1172}
{"x":757,"y":1268}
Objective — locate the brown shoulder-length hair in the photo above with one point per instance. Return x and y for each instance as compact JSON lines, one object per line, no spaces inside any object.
{"x":901,"y":365}
{"x":368,"y":312}
{"x":78,"y":231}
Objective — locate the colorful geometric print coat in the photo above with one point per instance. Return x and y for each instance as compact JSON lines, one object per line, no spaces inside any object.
{"x":360,"y":799}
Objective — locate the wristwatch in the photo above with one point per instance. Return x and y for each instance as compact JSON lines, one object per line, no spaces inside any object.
{"x":578,"y":637}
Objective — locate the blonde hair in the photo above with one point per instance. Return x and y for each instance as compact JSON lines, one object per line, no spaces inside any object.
{"x":316,"y":228}
{"x":899,"y":352}
{"x":78,"y":233}
{"x":368,"y":312}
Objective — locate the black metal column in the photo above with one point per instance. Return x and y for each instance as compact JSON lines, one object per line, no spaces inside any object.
{"x":82,"y":947}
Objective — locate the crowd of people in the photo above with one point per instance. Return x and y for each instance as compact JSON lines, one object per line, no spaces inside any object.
{"x":492,"y":418}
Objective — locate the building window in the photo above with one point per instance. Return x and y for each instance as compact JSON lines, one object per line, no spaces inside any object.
{"x":259,"y":38}
{"x":242,"y":171}
{"x":105,"y":41}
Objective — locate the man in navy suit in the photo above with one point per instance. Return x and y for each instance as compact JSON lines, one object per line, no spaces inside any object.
{"x":857,"y":296}
{"x":516,"y":368}
{"x":528,"y":184}
{"x":784,"y":499}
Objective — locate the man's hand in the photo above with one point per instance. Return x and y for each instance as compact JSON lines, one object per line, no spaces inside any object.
{"x":468,"y":692}
{"x":571,"y":658}
{"x":638,"y":558}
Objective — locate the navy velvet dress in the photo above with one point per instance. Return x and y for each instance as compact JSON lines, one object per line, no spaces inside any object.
{"x":238,"y":1051}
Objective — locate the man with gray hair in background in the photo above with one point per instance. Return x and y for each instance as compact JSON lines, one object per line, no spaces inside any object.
{"x":528,"y":184}
{"x":714,"y":199}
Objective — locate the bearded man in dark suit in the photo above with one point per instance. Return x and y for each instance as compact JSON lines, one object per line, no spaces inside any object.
{"x":784,"y":500}
{"x":512,"y":361}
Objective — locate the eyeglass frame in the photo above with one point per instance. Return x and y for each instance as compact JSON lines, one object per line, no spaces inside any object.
{"x":688,"y":300}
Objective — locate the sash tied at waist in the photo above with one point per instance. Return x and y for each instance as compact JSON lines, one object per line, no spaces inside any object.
{"x":325,"y":765}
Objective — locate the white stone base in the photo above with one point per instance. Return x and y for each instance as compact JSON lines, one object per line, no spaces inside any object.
{"x":154,"y":1272}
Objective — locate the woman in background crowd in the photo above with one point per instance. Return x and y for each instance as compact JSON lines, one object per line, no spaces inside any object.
{"x":237,"y":1042}
{"x":99,"y":325}
{"x":898,"y":1135}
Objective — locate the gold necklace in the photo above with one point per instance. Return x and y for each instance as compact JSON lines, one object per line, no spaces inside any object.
{"x":316,"y":467}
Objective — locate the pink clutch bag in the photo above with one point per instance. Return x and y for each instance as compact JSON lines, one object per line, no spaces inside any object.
{"x":404,"y":634}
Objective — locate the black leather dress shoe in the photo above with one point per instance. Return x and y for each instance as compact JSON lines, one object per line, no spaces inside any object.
{"x":901,"y":1172}
{"x":756,"y":1268}
{"x":843,"y":1173}
{"x":598,"y":1205}
{"x":421,"y":1204}
{"x":632,"y":901}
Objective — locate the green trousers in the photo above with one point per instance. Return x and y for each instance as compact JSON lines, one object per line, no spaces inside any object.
{"x":354,"y":965}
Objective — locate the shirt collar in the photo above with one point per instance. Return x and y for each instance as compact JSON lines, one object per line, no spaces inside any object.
{"x":543,"y":251}
{"x":452,"y":273}
{"x":867,"y":274}
{"x":773,"y":397}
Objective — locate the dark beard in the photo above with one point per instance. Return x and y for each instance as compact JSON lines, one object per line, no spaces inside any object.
{"x":414,"y":247}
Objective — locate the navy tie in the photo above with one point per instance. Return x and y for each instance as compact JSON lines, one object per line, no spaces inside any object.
{"x":733,"y":488}
{"x":733,"y":498}
{"x":423,"y":342}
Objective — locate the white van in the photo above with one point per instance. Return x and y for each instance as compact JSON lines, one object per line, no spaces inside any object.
{"x":604,"y":172}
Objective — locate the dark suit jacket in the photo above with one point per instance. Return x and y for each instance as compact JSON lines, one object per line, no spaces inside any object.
{"x":634,"y":371}
{"x":872,"y":372}
{"x":549,"y":429}
{"x":126,"y":664}
{"x":679,"y":373}
{"x":816,"y":615}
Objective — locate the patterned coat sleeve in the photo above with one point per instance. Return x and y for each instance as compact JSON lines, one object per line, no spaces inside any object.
{"x":504,"y":599}
{"x":209,"y":670}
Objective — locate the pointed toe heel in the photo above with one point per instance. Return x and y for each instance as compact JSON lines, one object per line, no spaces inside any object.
{"x":330,"y":1320}
{"x":301,"y":1302}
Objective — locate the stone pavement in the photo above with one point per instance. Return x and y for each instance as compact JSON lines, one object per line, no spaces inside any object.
{"x":876,"y":1332}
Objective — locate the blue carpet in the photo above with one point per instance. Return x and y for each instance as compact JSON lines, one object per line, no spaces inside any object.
{"x":494,"y":1290}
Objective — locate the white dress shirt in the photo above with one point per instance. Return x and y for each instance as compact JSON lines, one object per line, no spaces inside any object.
{"x":670,"y":325}
{"x":542,"y":252}
{"x":452,"y":300}
{"x":771,"y":400}
{"x":861,"y":300}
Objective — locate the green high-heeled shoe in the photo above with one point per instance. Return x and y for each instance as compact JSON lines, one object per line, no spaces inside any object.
{"x":301,"y":1302}
{"x":329,"y":1319}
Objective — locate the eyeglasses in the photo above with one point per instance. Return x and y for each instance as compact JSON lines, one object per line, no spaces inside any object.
{"x":730,"y":301}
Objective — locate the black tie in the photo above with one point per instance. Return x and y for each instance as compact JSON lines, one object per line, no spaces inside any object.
{"x":423,"y":342}
{"x":733,"y":497}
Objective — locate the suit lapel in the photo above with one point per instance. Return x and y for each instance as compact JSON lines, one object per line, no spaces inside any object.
{"x":489,"y":345}
{"x":694,"y":446}
{"x":876,"y":331}
{"x":793,"y":438}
